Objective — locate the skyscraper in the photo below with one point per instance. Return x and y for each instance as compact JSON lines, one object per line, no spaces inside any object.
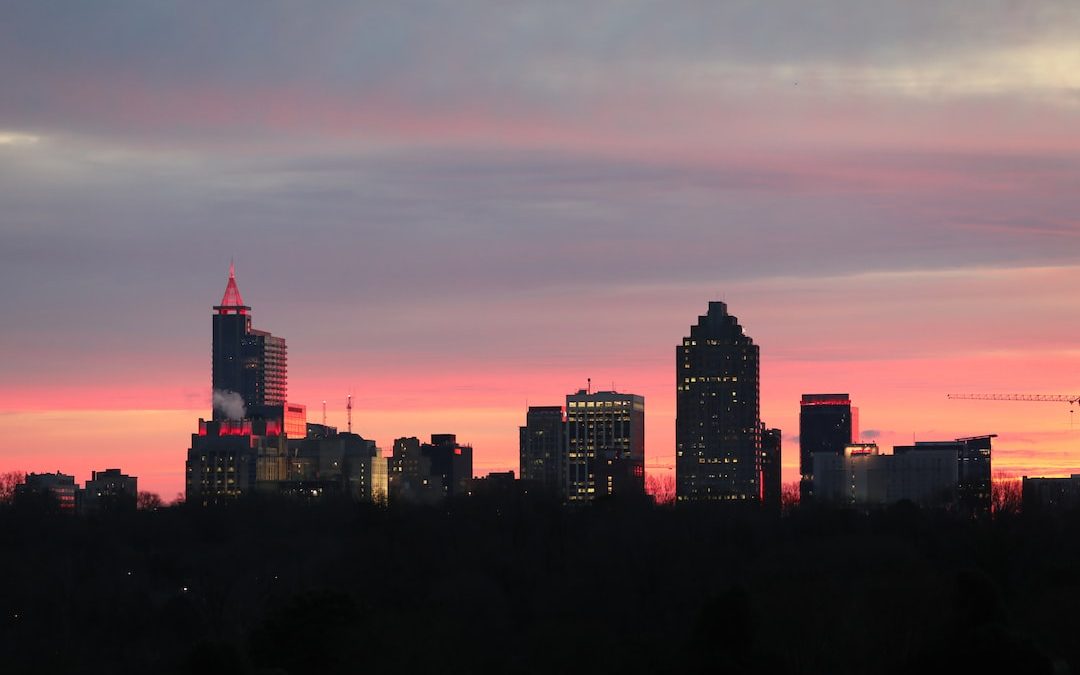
{"x":605,"y":445}
{"x":827,"y":423}
{"x":542,"y":446}
{"x":717,"y":425}
{"x":246,"y":362}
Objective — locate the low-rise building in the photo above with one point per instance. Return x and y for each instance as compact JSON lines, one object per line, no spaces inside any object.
{"x":1048,"y":494}
{"x":109,"y":490}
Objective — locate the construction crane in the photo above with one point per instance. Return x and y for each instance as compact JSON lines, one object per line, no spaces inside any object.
{"x":1055,"y":398}
{"x":1045,"y":398}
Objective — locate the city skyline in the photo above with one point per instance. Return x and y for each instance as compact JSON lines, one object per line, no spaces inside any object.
{"x":458,"y":213}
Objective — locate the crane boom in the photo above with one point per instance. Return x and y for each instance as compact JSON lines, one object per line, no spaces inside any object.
{"x":1057,"y":398}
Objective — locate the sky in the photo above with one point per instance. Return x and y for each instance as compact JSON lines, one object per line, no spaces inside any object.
{"x":454,"y":210}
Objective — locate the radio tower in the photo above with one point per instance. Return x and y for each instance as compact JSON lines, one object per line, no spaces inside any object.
{"x":324,"y":413}
{"x":348,"y":412}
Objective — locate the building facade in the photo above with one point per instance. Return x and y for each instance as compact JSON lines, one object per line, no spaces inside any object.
{"x":48,"y":490}
{"x":828,"y":423}
{"x":1051,"y":494}
{"x":933,"y":474}
{"x":605,"y":445}
{"x":974,"y":488}
{"x":717,"y":426}
{"x":337,"y":465}
{"x":542,"y":446}
{"x":450,"y":462}
{"x":233,"y":458}
{"x":410,"y":475}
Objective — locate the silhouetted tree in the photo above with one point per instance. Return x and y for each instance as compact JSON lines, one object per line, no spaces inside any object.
{"x":8,"y":481}
{"x":789,"y":496}
{"x":660,"y":488}
{"x":1006,"y":493}
{"x":148,"y":501}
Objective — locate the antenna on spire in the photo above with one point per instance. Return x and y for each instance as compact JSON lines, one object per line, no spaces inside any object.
{"x":589,"y":380}
{"x":324,"y":413}
{"x":348,"y":412}
{"x":232,"y":269}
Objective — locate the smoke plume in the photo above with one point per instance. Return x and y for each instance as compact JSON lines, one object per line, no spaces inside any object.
{"x":230,"y":403}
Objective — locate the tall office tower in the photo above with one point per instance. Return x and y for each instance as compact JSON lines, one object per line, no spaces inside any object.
{"x":717,"y":425}
{"x":248,"y":362}
{"x":770,"y":467}
{"x":827,"y":423}
{"x":542,"y":444}
{"x":605,"y":445}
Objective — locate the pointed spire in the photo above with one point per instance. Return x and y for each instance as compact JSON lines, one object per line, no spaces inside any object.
{"x":232,"y":302}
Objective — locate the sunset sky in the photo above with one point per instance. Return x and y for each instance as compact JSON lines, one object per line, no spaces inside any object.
{"x":458,"y":209}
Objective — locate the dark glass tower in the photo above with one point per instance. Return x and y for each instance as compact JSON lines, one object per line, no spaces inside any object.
{"x":770,"y":467}
{"x":248,"y":362}
{"x":717,"y":425}
{"x":827,"y":423}
{"x":542,"y":445}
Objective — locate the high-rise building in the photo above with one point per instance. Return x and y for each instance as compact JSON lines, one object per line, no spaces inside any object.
{"x":605,"y":445}
{"x":770,"y":467}
{"x":717,"y":426}
{"x":246,"y":362}
{"x":828,"y":423}
{"x":542,"y":446}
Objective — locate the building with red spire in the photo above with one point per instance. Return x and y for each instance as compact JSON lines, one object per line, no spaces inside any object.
{"x":250,"y":367}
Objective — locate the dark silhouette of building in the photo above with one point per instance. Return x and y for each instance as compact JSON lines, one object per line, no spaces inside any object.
{"x":1051,"y":494}
{"x":770,"y":467}
{"x":605,"y":446}
{"x":827,"y":424}
{"x":451,"y":462}
{"x":247,"y":362}
{"x":411,"y":478}
{"x":48,"y":490}
{"x":542,"y":446}
{"x":717,"y":426}
{"x":341,"y":465}
{"x":109,"y":490}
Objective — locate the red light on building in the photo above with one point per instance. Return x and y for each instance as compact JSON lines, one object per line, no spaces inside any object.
{"x":457,"y":451}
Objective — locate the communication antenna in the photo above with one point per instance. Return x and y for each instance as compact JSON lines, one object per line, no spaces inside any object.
{"x":589,"y":380}
{"x":324,"y":413}
{"x":348,"y":412}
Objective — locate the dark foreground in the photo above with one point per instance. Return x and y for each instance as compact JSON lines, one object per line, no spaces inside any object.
{"x":516,"y":587}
